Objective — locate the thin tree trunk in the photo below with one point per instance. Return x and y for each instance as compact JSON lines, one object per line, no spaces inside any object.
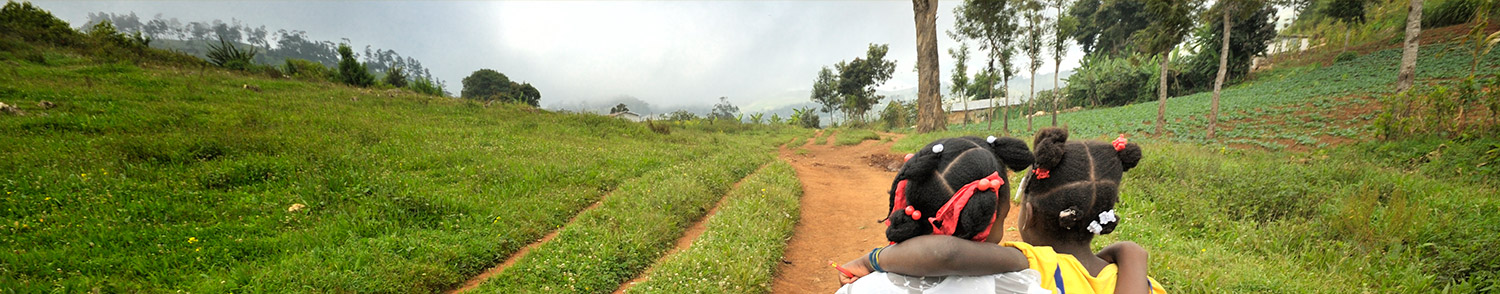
{"x":930,"y":113}
{"x":1408,"y":74}
{"x":1032,"y":100}
{"x":1056,"y":90}
{"x":1161,"y":90}
{"x":1006,"y":106}
{"x":989,"y":91}
{"x":1213,"y":113}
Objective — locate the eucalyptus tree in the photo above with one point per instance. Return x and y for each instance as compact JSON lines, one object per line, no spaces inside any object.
{"x":990,"y":23}
{"x":960,"y":76}
{"x":1033,"y":38}
{"x":1169,"y":24}
{"x":1062,"y":28}
{"x":929,"y":111}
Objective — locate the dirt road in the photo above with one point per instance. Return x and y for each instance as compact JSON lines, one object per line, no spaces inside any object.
{"x":844,"y":196}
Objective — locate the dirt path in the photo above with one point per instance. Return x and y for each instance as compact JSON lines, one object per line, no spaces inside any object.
{"x":844,"y":196}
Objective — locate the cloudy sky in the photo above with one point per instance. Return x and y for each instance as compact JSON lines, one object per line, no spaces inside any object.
{"x":668,"y":53}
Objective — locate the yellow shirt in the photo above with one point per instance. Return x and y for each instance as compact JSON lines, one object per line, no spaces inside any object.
{"x":1075,"y":279}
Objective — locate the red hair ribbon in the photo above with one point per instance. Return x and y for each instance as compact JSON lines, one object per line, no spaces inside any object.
{"x":1119,"y":143}
{"x":945,"y":222}
{"x":1041,"y":173}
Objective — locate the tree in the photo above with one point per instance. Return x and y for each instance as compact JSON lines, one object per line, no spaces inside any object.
{"x":724,"y":110}
{"x":1349,"y":12}
{"x":988,"y":22}
{"x":858,"y":79}
{"x":1169,"y":23}
{"x":960,"y":76}
{"x":1408,"y":73}
{"x":1230,"y":11}
{"x":929,"y":106}
{"x":486,"y":84}
{"x":1032,"y":40}
{"x":529,"y":94}
{"x":427,"y":86}
{"x":351,"y":72}
{"x":1062,"y":28}
{"x":395,"y":77}
{"x":619,"y":108}
{"x":1105,"y":27}
{"x":825,"y":91}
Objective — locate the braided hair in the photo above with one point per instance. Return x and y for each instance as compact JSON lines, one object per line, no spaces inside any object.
{"x":1075,"y":182}
{"x":937,"y":171}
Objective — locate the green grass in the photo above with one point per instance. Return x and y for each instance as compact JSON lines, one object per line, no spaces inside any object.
{"x":1270,"y":102}
{"x":1221,"y":221}
{"x":637,"y":223}
{"x":848,"y":137}
{"x":743,"y":243}
{"x":154,"y":178}
{"x":821,"y":138}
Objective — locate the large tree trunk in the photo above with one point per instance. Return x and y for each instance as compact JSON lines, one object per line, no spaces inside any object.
{"x":1213,"y":113}
{"x":929,"y":110}
{"x":1161,"y":90}
{"x":1408,"y":73}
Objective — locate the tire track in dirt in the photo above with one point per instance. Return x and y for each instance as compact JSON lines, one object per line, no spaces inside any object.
{"x":692,"y":233}
{"x":843,"y":198}
{"x":514,"y":257}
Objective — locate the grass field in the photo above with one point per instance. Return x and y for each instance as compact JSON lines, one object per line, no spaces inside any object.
{"x":1247,"y":213}
{"x":743,"y":243}
{"x":154,"y":178}
{"x":1307,"y":106}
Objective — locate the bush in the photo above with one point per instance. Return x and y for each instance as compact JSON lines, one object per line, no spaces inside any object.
{"x":1449,"y":13}
{"x":34,"y":24}
{"x":229,"y":55}
{"x":1346,"y":56}
{"x":1114,"y":81}
{"x":395,"y":78}
{"x":304,"y":69}
{"x":426,"y":86}
{"x":351,"y":72}
{"x":897,"y":114}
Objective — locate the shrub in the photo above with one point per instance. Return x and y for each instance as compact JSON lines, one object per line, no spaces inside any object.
{"x":1449,"y":13}
{"x":306,"y":70}
{"x":1114,"y":81}
{"x":806,"y":117}
{"x":229,"y":55}
{"x":395,"y":78}
{"x":896,"y":115}
{"x":1346,"y":56}
{"x":426,"y":86}
{"x":351,"y":72}
{"x":34,"y":24}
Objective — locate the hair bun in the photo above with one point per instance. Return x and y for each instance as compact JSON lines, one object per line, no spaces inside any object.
{"x":1012,"y":152}
{"x":1130,"y":156}
{"x":1049,"y":147}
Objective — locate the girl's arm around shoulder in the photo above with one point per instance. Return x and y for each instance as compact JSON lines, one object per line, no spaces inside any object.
{"x":1131,"y":260}
{"x":942,"y":255}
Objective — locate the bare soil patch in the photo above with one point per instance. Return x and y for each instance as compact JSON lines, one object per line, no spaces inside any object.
{"x":844,"y":198}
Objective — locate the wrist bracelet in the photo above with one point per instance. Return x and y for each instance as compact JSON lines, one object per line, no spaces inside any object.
{"x":874,"y":256}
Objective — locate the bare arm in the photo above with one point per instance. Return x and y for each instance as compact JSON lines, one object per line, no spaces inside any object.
{"x":941,"y":255}
{"x":1132,"y":261}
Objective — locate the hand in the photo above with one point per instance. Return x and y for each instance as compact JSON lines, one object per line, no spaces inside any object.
{"x":1124,"y":251}
{"x":859,"y":267}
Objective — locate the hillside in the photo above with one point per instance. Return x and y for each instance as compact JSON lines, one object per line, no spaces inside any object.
{"x":156,"y":178}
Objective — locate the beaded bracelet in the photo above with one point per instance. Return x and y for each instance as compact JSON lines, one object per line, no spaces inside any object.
{"x":874,"y":256}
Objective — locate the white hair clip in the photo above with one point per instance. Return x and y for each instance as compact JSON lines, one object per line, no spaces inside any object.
{"x":1095,"y":228}
{"x":937,"y":148}
{"x":991,"y":139}
{"x":1107,"y":217}
{"x":1066,"y":213}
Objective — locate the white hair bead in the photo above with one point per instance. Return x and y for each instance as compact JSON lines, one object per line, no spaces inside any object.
{"x":991,"y":139}
{"x":937,"y":148}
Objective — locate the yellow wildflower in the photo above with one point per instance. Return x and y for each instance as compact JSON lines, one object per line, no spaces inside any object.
{"x":192,"y":240}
